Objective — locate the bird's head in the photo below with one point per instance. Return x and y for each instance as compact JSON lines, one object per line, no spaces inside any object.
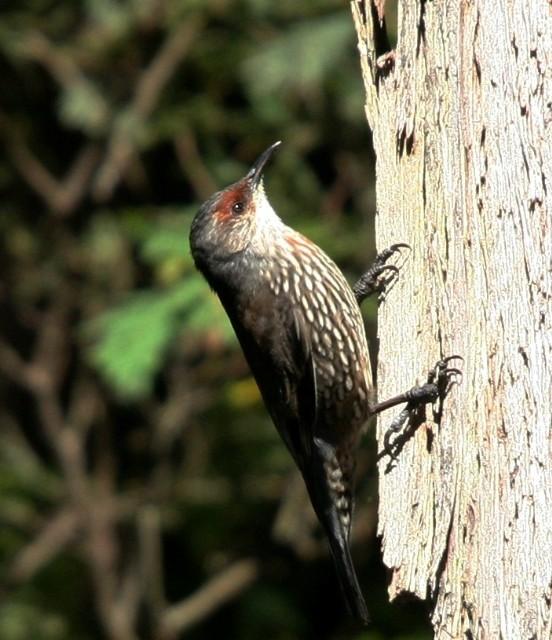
{"x":236,"y":218}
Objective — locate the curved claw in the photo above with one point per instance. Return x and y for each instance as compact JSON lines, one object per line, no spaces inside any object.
{"x":443,"y":376}
{"x":400,"y":245}
{"x":386,"y":267}
{"x":371,"y":282}
{"x":440,"y":380}
{"x":453,"y":376}
{"x":452,"y":370}
{"x":442,"y":364}
{"x":387,"y":253}
{"x":451,"y":373}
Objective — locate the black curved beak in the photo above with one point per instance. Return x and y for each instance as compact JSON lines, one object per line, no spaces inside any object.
{"x":256,"y":172}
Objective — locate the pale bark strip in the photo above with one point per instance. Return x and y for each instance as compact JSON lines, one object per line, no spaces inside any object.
{"x":462,"y":129}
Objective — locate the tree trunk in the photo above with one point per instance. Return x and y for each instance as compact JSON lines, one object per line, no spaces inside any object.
{"x":461,"y":115}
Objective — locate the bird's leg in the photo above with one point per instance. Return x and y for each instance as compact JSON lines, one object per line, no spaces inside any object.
{"x":380,"y":276}
{"x":439,"y":381}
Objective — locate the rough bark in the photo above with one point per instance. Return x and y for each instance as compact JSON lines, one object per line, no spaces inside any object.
{"x":461,"y":115}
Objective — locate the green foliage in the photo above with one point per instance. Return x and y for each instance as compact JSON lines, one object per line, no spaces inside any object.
{"x":129,"y":343}
{"x":317,"y":47}
{"x":21,"y":622}
{"x":126,"y":401}
{"x":22,"y":476}
{"x":83,"y":107}
{"x":132,"y":339}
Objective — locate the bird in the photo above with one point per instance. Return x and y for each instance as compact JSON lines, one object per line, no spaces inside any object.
{"x":301,"y":331}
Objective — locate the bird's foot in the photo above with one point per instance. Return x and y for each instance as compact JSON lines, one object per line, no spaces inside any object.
{"x":380,"y":277}
{"x":439,"y":382}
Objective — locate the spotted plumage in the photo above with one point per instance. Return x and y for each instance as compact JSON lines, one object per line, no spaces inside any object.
{"x":302,"y":334}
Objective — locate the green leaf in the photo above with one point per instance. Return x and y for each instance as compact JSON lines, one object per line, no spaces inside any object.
{"x":110,"y":14}
{"x":168,"y":241}
{"x":19,"y":621}
{"x":129,"y":343}
{"x":83,"y":107}
{"x":315,"y":47}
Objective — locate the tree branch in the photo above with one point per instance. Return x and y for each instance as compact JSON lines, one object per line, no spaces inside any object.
{"x":149,"y":87}
{"x":57,"y":533}
{"x":61,"y":196}
{"x":226,"y":585}
{"x":62,"y":67}
{"x":192,"y":165}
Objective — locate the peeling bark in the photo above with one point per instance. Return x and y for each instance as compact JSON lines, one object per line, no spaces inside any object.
{"x":461,"y":115}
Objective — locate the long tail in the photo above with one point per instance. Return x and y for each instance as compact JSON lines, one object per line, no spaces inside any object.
{"x":346,"y":574}
{"x":336,"y":527}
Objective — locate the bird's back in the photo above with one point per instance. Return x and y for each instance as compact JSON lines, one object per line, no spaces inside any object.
{"x":302,"y":334}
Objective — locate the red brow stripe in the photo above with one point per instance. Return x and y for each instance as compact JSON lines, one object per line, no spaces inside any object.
{"x":222,"y":215}
{"x":227,"y":199}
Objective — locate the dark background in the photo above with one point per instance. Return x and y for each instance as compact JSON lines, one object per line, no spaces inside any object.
{"x":137,"y":462}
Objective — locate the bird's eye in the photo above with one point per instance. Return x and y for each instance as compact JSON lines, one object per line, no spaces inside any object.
{"x":238,"y":207}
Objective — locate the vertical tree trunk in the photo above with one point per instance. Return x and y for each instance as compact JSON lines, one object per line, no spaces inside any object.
{"x":461,"y":115}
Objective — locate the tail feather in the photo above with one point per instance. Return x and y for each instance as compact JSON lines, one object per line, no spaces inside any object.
{"x":348,"y":581}
{"x":333,"y":506}
{"x":336,"y":524}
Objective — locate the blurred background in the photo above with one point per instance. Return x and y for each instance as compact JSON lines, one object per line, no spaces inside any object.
{"x":144,"y":492}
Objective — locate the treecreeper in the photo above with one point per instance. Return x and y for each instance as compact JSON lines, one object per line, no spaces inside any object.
{"x":299,"y":324}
